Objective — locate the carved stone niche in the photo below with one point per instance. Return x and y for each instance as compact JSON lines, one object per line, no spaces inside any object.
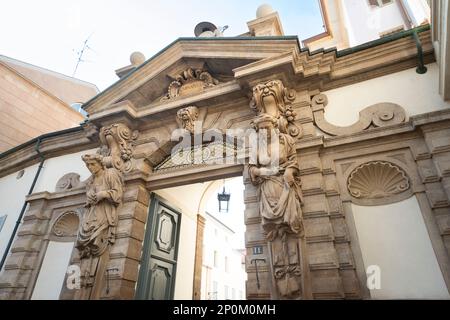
{"x":65,"y":227}
{"x":378,"y":183}
{"x":188,"y":82}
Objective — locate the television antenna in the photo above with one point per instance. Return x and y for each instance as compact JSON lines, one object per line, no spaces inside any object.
{"x":80,"y":54}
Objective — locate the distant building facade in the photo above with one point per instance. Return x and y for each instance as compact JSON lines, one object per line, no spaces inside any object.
{"x":223,"y":269}
{"x":35,"y":101}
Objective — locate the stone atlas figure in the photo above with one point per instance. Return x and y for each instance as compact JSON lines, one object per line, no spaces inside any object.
{"x":274,"y":171}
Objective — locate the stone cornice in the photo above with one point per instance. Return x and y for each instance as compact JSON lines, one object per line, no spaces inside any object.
{"x":220,"y":48}
{"x":51,"y":145}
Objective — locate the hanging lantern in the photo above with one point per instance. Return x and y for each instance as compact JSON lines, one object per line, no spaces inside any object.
{"x":224,"y":200}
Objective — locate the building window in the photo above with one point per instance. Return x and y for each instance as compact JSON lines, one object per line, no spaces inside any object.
{"x":2,"y":221}
{"x":216,"y":259}
{"x":226,"y":292}
{"x":226,"y":264}
{"x":380,"y":3}
{"x":213,"y":294}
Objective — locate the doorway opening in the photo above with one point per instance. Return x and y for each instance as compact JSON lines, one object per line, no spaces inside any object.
{"x":192,"y":250}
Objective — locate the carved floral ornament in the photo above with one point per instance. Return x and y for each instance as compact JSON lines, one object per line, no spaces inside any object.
{"x":189,"y":81}
{"x":377,"y":179}
{"x":273,"y":98}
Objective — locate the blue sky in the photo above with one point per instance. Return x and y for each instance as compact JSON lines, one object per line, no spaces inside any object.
{"x":48,"y":33}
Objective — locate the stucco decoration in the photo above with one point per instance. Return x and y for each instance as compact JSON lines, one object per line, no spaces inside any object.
{"x":377,"y":179}
{"x":186,"y":117}
{"x":280,"y":199}
{"x":68,"y":181}
{"x":377,"y":115}
{"x":189,"y":81}
{"x":66,"y":225}
{"x":117,"y":146}
{"x":273,"y":98}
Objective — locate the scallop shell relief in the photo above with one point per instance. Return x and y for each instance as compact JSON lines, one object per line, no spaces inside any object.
{"x":377,"y":179}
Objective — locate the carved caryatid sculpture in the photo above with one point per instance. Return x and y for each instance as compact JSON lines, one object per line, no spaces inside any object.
{"x":274,"y":170}
{"x":104,"y":192}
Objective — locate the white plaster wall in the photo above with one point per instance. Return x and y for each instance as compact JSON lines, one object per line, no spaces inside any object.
{"x":55,"y":168}
{"x":414,"y":92}
{"x":365,"y":22}
{"x":12,"y":195}
{"x":395,"y":238}
{"x":51,"y":276}
{"x":13,"y":191}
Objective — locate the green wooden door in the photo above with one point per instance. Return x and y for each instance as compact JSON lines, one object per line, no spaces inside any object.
{"x":159,"y":257}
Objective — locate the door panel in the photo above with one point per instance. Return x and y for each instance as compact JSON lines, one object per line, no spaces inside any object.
{"x":159,"y":257}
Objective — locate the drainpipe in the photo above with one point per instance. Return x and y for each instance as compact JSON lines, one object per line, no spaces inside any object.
{"x":19,"y":219}
{"x":421,"y":69}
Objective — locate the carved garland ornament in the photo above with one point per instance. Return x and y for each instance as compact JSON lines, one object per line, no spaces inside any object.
{"x":190,"y":81}
{"x":377,"y":179}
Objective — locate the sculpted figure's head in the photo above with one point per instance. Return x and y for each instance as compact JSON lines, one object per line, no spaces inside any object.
{"x":187,"y":116}
{"x":94,"y":162}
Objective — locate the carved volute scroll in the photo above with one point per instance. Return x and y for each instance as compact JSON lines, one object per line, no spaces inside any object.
{"x":377,"y":115}
{"x":280,"y":200}
{"x":189,"y":81}
{"x":273,"y":98}
{"x":117,"y":146}
{"x":377,"y":179}
{"x":68,"y":181}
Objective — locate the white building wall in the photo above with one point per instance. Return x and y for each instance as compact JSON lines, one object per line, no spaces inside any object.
{"x":12,"y":196}
{"x":13,"y":190}
{"x":53,"y":270}
{"x":220,"y":240}
{"x":394,"y":237}
{"x":414,"y":92}
{"x":366,"y":22}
